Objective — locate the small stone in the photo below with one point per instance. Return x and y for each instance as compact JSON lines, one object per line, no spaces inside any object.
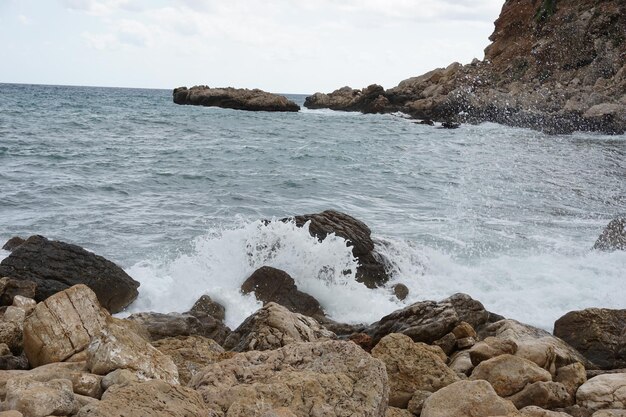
{"x":465,"y":343}
{"x":401,"y":291}
{"x":571,"y":376}
{"x":463,"y":330}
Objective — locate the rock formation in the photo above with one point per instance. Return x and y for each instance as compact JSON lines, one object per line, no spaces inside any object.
{"x":233,"y":98}
{"x":613,"y":237}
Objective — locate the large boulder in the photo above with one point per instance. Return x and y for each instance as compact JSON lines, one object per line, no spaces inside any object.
{"x":274,"y":326}
{"x":160,"y":325}
{"x":148,"y":399}
{"x":324,"y":379}
{"x":598,"y":333}
{"x":509,"y":374}
{"x":428,"y":321}
{"x":62,"y":325}
{"x":233,"y":98}
{"x":40,"y":399}
{"x":466,"y":399}
{"x":55,"y":266}
{"x":190,"y":353}
{"x":410,"y":367}
{"x":613,"y":237}
{"x":371,"y":269}
{"x":273,"y":285}
{"x":603,"y":391}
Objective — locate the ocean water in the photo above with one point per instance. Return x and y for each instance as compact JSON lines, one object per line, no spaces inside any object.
{"x":176,"y":194}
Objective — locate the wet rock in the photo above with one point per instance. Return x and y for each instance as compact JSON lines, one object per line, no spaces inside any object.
{"x":371,"y":270}
{"x":234,"y":98}
{"x":401,"y":291}
{"x":273,"y":285}
{"x":55,"y":266}
{"x":542,"y":394}
{"x":466,"y":398}
{"x":411,"y":366}
{"x":274,"y":326}
{"x":13,"y":243}
{"x":40,"y":399}
{"x":330,"y":378}
{"x":160,"y":325}
{"x":206,"y":306}
{"x":598,"y":333}
{"x":509,"y":374}
{"x":10,"y":288}
{"x":603,"y":391}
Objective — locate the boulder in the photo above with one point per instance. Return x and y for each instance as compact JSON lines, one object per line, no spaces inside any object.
{"x":10,"y":362}
{"x":11,"y":336}
{"x":572,"y":377}
{"x":542,"y":394}
{"x":371,"y":269}
{"x":367,"y":100}
{"x":598,"y":333}
{"x":417,"y":401}
{"x":274,"y":326}
{"x":534,"y":411}
{"x":190,"y":353}
{"x":62,"y":325}
{"x":428,"y":321}
{"x":397,"y":412}
{"x":25,"y":303}
{"x":148,"y":399}
{"x":161,"y":325}
{"x":490,"y":348}
{"x":325,"y":379}
{"x":44,"y":373}
{"x":55,"y":266}
{"x":40,"y":399}
{"x":411,"y":366}
{"x":13,"y":243}
{"x":233,"y":98}
{"x":401,"y":291}
{"x":509,"y":374}
{"x":116,"y":346}
{"x":603,"y":391}
{"x":10,"y":288}
{"x":119,"y":377}
{"x":461,"y":363}
{"x":609,"y":413}
{"x":206,"y":306}
{"x":466,"y":399}
{"x":273,"y":285}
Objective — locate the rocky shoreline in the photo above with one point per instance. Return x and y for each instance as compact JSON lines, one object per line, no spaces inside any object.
{"x":62,"y":353}
{"x":233,"y":98}
{"x":556,"y":69}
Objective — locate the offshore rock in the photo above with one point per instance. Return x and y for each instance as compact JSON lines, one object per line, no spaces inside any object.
{"x":598,"y":333}
{"x":55,"y":266}
{"x":613,"y":237}
{"x":234,"y":98}
{"x":466,"y":398}
{"x":368,"y":100}
{"x":160,"y":325}
{"x":272,"y":327}
{"x":273,"y":285}
{"x":324,"y":379}
{"x":371,"y":270}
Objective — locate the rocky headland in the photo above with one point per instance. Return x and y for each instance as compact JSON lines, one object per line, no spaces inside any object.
{"x":63,"y":354}
{"x":556,"y":66}
{"x":233,"y":98}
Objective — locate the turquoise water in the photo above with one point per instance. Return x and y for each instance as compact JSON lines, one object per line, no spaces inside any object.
{"x":173,"y":194}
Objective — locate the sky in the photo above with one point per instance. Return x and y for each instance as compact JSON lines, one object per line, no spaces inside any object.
{"x":282,"y":46}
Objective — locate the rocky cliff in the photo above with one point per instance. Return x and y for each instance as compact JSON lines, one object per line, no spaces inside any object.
{"x":553,"y":65}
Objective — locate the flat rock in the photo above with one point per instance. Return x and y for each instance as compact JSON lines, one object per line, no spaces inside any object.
{"x":509,"y":374}
{"x":603,"y":391}
{"x":55,"y":266}
{"x":324,"y":379}
{"x":160,"y":325}
{"x":234,"y":98}
{"x":466,"y":399}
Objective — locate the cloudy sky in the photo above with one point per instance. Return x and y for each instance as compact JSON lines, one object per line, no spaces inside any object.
{"x":289,"y":46}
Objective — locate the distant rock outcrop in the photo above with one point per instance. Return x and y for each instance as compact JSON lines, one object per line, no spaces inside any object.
{"x":233,"y":98}
{"x":557,"y":69}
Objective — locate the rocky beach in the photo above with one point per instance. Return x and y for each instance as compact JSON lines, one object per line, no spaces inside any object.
{"x":64,"y":354}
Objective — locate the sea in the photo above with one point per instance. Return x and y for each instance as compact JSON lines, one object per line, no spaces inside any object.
{"x":177,"y":196}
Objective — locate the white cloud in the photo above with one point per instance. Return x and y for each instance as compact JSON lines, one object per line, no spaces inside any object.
{"x":25,"y":20}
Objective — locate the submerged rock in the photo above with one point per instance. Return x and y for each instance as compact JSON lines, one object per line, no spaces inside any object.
{"x":234,"y":98}
{"x":55,"y":266}
{"x":613,"y":237}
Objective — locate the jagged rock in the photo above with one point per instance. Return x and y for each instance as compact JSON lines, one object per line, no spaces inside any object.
{"x":490,"y":348}
{"x":427,"y":321}
{"x":148,"y":399}
{"x":62,"y":325}
{"x":55,"y":266}
{"x":371,"y":270}
{"x":603,"y":391}
{"x":599,"y":334}
{"x":11,"y":413}
{"x":273,"y":285}
{"x":206,"y":306}
{"x":118,"y":347}
{"x":325,"y":379}
{"x":233,"y":98}
{"x":417,"y":401}
{"x":40,"y":399}
{"x":466,"y":398}
{"x":572,"y":377}
{"x":9,"y":288}
{"x":368,"y":100}
{"x":542,"y":394}
{"x":464,"y":330}
{"x":274,"y":326}
{"x":509,"y":374}
{"x":13,"y":243}
{"x":190,"y":353}
{"x":161,"y":325}
{"x":411,"y":366}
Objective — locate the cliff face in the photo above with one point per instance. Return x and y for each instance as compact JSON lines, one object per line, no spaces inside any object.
{"x":553,"y":65}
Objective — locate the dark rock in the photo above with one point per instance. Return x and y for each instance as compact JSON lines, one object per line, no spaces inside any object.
{"x":206,"y":306}
{"x":446,"y":343}
{"x":450,"y":125}
{"x":401,"y":291}
{"x":273,"y":285}
{"x":613,"y":237}
{"x":55,"y":266}
{"x":590,"y":373}
{"x":234,"y":98}
{"x":371,"y":99}
{"x":10,"y":362}
{"x":9,"y":288}
{"x":426,"y":122}
{"x":599,"y":334}
{"x":371,"y":270}
{"x":13,"y":243}
{"x":161,"y":325}
{"x":363,"y":340}
{"x":342,"y":330}
{"x":428,"y":321}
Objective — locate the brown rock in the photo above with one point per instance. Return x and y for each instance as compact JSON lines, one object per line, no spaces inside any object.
{"x":26,"y":304}
{"x":206,"y":306}
{"x":401,"y":291}
{"x":363,"y":340}
{"x":11,"y":335}
{"x":509,"y":374}
{"x":190,"y":353}
{"x":464,"y":330}
{"x":40,"y":399}
{"x":121,"y":377}
{"x":161,"y":325}
{"x":572,"y":377}
{"x":603,"y":391}
{"x":534,"y":411}
{"x":490,"y":348}
{"x":397,"y":412}
{"x":461,"y":363}
{"x":234,"y":98}
{"x":466,"y":398}
{"x":542,"y":394}
{"x":44,"y":373}
{"x":417,"y":401}
{"x":447,"y":343}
